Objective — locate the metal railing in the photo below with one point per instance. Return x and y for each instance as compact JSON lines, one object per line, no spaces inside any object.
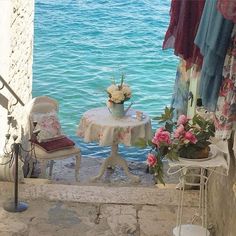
{"x":5,"y":84}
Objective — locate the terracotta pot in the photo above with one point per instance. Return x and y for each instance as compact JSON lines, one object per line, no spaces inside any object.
{"x":203,"y":153}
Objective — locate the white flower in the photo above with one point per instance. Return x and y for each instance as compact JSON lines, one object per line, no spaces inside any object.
{"x":117,"y":96}
{"x":126,"y":90}
{"x":118,"y":93}
{"x":112,"y":88}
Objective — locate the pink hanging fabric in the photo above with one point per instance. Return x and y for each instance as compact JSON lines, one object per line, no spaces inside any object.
{"x":184,"y":20}
{"x":225,"y":114}
{"x":227,"y":9}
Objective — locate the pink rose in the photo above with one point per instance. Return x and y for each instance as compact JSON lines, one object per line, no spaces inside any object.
{"x":190,"y":137}
{"x":182,"y":120}
{"x":151,"y":160}
{"x":161,"y":136}
{"x":179,"y":131}
{"x":155,"y":139}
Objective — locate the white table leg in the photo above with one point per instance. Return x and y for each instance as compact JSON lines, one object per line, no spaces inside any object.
{"x":115,"y":159}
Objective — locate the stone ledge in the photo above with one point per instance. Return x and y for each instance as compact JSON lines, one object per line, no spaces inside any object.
{"x":38,"y":189}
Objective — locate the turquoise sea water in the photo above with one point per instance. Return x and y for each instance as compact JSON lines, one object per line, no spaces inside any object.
{"x":80,"y":44}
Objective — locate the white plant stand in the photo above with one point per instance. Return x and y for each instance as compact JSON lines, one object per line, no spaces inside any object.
{"x":190,"y":229}
{"x":205,"y":169}
{"x":193,"y":229}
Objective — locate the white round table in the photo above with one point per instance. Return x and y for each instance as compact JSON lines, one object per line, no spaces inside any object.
{"x":98,"y":125}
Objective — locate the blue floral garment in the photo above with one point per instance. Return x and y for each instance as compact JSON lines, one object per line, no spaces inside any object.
{"x":180,"y":94}
{"x":213,"y":39}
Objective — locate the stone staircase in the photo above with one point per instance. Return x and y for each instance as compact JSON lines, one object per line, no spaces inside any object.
{"x":90,"y":210}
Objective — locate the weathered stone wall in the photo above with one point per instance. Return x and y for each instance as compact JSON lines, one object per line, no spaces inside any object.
{"x":222,"y":200}
{"x":16,"y":21}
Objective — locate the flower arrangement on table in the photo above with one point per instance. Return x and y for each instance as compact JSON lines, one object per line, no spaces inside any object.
{"x":118,"y":93}
{"x":186,"y":138}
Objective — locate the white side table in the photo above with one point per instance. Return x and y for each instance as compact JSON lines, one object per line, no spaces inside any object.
{"x":100,"y":126}
{"x":206,"y":167}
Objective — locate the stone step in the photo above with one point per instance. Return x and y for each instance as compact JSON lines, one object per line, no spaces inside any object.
{"x":137,"y":195}
{"x":85,"y":210}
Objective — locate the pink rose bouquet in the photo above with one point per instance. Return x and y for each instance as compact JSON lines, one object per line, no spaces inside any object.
{"x":181,"y":138}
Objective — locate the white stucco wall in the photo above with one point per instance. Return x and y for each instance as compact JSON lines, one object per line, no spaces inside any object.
{"x":5,"y":16}
{"x":16,"y":56}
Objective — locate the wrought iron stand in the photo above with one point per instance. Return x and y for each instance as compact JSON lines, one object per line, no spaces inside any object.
{"x":14,"y":205}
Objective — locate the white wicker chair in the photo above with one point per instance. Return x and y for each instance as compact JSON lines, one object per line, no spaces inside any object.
{"x":44,"y":104}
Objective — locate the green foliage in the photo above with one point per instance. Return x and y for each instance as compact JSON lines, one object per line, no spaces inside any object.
{"x":166,"y":116}
{"x":142,"y":143}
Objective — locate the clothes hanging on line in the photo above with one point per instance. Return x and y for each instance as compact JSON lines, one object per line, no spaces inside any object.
{"x":225,"y":114}
{"x":184,"y":20}
{"x":213,"y":39}
{"x":181,"y":87}
{"x":228,"y":9}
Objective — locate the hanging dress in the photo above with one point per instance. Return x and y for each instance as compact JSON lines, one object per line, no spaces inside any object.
{"x":180,"y":95}
{"x":185,"y":16}
{"x":213,"y":39}
{"x":228,"y":9}
{"x":225,"y":114}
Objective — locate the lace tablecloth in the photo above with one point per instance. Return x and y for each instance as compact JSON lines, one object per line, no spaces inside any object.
{"x":99,"y":125}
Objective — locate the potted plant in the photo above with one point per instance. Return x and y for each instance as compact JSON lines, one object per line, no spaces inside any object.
{"x":186,"y":138}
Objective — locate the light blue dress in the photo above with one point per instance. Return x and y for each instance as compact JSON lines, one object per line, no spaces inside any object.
{"x":180,"y":93}
{"x":213,"y":38}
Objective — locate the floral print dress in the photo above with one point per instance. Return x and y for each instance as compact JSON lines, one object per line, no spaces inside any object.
{"x":225,"y":114}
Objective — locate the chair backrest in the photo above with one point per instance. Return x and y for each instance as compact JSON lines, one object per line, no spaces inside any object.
{"x":43,"y":104}
{"x":38,"y":106}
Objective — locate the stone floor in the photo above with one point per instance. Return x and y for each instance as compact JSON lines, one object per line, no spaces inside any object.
{"x":63,"y":172}
{"x":110,"y":207}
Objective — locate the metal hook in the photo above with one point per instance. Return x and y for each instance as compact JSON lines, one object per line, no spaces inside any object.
{"x":15,"y":103}
{"x":190,"y":97}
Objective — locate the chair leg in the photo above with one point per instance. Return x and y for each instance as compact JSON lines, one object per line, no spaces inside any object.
{"x":77,"y":166}
{"x":43,"y":168}
{"x":31,"y":166}
{"x":50,"y":169}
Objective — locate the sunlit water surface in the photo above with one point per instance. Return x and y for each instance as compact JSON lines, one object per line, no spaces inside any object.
{"x":80,"y":44}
